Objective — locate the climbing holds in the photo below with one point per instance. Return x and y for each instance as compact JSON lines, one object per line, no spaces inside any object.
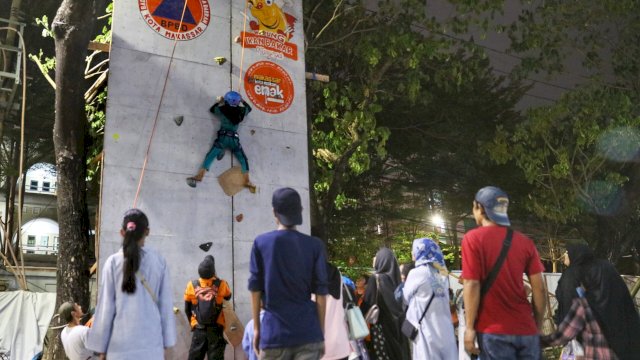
{"x":220,"y":60}
{"x":192,"y":182}
{"x":178,"y":120}
{"x":205,"y":246}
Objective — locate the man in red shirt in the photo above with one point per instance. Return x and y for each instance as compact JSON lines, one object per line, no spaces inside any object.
{"x":506,"y":325}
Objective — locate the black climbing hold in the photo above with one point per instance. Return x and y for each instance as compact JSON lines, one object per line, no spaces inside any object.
{"x":205,"y":246}
{"x":191,"y":182}
{"x":178,"y":120}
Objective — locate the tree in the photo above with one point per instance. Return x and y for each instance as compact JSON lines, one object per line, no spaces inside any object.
{"x":399,"y":124}
{"x":579,"y":153}
{"x":72,"y":28}
{"x":579,"y":157}
{"x":38,"y":145}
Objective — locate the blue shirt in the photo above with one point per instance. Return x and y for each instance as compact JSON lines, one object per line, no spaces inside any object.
{"x":247,"y":339}
{"x":287,"y":267}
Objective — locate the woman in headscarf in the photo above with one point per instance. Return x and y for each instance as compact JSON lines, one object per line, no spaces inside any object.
{"x":387,"y":340}
{"x":606,"y":294}
{"x":428,"y":285}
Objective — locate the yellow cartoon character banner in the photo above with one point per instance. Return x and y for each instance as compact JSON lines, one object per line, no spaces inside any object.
{"x":271,"y":29}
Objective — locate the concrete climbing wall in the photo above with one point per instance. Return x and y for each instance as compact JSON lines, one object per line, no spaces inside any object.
{"x":269,"y":73}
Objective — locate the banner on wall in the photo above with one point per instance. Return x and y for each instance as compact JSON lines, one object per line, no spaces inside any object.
{"x":171,"y":19}
{"x":269,"y":87}
{"x":271,"y":30}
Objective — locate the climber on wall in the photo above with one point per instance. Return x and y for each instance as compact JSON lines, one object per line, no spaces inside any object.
{"x":232,"y":109}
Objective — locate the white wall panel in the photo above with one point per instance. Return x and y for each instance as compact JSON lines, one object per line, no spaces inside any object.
{"x":181,"y":218}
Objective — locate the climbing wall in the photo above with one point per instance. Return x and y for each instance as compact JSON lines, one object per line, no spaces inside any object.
{"x":164,"y":75}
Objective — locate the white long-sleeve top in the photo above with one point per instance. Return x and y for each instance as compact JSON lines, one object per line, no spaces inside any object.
{"x":133,"y":326}
{"x":436,"y":338}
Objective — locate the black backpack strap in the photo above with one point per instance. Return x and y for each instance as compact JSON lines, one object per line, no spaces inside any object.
{"x":195,"y":284}
{"x":488,"y":282}
{"x":217,"y":283}
{"x":433,"y":294}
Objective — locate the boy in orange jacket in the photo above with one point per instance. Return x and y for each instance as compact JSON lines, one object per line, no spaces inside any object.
{"x":203,"y":300}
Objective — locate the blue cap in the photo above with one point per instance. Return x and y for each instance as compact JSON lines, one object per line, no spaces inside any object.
{"x":495,"y":203}
{"x":232,"y":98}
{"x":288,"y":206}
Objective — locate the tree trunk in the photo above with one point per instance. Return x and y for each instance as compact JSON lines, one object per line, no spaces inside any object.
{"x":72,"y":28}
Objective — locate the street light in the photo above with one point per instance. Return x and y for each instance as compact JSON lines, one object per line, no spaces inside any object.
{"x":438,"y":222}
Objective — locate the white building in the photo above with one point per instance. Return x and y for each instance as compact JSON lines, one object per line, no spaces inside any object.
{"x":41,"y":178}
{"x":40,"y":236}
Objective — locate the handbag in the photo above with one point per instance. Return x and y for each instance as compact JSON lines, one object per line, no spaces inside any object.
{"x":374,"y":311}
{"x":358,"y":328}
{"x":573,"y":350}
{"x":407,"y":327}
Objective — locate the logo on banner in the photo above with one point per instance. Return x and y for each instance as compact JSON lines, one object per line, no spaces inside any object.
{"x":164,"y":17}
{"x":271,"y":30}
{"x":269,"y":87}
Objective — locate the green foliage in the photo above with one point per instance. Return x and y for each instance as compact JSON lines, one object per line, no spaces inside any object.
{"x":603,"y":34}
{"x":44,"y":23}
{"x":579,"y":156}
{"x":96,"y":105}
{"x":395,"y":135}
{"x":105,"y":35}
{"x":96,"y":116}
{"x":563,"y":154}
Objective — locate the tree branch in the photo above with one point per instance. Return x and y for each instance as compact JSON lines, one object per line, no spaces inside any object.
{"x":44,"y":71}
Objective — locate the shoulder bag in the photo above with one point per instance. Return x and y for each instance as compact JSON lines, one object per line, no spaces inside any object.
{"x":493,"y":274}
{"x":146,"y":286}
{"x":374,"y":311}
{"x":408,"y":329}
{"x":358,"y":328}
{"x":491,"y":278}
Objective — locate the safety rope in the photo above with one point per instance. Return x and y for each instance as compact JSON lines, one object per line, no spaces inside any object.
{"x":155,"y":121}
{"x":244,"y":31}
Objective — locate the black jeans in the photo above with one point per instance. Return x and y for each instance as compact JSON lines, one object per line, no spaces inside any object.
{"x":207,"y":341}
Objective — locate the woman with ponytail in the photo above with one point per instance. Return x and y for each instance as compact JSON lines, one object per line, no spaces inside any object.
{"x":134,"y":313}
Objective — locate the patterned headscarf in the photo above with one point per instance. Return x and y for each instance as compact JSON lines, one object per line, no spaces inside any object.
{"x":426,"y":251}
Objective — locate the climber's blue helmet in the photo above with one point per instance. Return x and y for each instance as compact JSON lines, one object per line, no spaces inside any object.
{"x":232,"y":98}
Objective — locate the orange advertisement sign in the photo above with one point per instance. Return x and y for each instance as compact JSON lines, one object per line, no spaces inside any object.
{"x":172,"y":20}
{"x":271,"y":29}
{"x":269,"y":87}
{"x":271,"y":45}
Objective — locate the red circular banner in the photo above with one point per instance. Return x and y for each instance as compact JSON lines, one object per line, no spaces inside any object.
{"x":269,"y":87}
{"x":171,"y":19}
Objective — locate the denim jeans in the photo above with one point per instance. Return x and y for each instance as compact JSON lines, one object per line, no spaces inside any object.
{"x":509,"y":347}
{"x":312,"y":351}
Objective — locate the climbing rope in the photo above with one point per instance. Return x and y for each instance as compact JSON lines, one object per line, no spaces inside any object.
{"x":244,"y":31}
{"x":155,"y":121}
